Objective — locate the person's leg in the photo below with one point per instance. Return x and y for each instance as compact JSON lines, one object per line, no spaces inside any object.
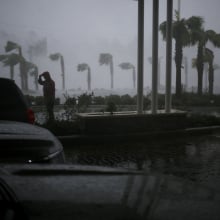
{"x":50,"y":112}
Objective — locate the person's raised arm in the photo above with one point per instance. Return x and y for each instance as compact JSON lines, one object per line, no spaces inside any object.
{"x":40,"y":81}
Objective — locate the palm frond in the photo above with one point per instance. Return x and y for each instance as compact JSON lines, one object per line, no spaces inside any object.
{"x":163,"y":28}
{"x":195,"y":28}
{"x":195,"y":23}
{"x":11,"y":59}
{"x":214,"y":38}
{"x":11,"y":46}
{"x":54,"y":56}
{"x":82,"y":67}
{"x":177,"y":15}
{"x":3,"y":57}
{"x":105,"y":58}
{"x":126,"y":66}
{"x":31,"y":68}
{"x":216,"y":66}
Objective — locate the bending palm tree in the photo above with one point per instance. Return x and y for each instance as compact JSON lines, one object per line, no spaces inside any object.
{"x":182,"y":39}
{"x":82,"y":67}
{"x":24,"y":77}
{"x":200,"y":37}
{"x":127,"y":66}
{"x":10,"y":60}
{"x":107,"y":59}
{"x":32,"y":69}
{"x":57,"y":56}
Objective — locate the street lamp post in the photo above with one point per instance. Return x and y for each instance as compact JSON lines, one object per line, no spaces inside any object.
{"x":140,"y":58}
{"x":155,"y":57}
{"x":168,"y":56}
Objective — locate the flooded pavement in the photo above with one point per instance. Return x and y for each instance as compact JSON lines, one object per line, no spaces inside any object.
{"x":192,"y":158}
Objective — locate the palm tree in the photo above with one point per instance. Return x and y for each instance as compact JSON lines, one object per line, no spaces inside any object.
{"x":32,"y":69}
{"x":82,"y":67}
{"x":200,"y":37}
{"x":24,"y":77}
{"x":209,"y":58}
{"x":182,"y":39}
{"x":127,"y":66}
{"x":107,"y":59}
{"x":55,"y":57}
{"x":10,"y":60}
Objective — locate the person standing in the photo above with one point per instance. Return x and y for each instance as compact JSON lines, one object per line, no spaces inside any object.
{"x":49,"y":93}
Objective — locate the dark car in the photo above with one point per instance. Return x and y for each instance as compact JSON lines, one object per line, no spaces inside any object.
{"x":25,"y":143}
{"x":13,"y":105}
{"x":85,"y":193}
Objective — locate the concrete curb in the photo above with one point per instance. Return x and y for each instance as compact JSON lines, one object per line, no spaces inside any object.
{"x":76,"y":140}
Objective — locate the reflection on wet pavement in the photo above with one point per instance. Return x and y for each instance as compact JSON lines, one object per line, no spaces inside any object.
{"x":192,"y":158}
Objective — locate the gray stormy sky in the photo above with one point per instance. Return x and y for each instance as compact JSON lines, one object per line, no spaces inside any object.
{"x":82,"y":29}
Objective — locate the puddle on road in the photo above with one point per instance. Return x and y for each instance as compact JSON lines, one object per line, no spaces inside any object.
{"x":196,"y":159}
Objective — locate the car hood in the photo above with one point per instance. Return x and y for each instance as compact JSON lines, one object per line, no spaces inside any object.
{"x":20,"y":128}
{"x":23,"y":142}
{"x":77,"y":192}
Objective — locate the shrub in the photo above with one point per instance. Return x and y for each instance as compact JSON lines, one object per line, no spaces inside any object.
{"x":111,"y":107}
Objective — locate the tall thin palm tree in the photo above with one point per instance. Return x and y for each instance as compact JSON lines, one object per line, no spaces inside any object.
{"x":209,"y":58}
{"x":107,"y":59}
{"x":200,"y":37}
{"x":182,"y":39}
{"x":82,"y":67}
{"x":58,"y":56}
{"x":10,"y":60}
{"x":128,"y":66}
{"x":24,"y":76}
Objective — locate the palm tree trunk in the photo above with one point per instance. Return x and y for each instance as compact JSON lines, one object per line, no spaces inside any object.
{"x":200,"y":67}
{"x":63,"y":70}
{"x":134,"y":77}
{"x":25,"y":76}
{"x":12,"y":72}
{"x":21,"y":67}
{"x":36,"y":79}
{"x":211,"y":78}
{"x":89,"y":79}
{"x":112,"y":74}
{"x":178,"y":61}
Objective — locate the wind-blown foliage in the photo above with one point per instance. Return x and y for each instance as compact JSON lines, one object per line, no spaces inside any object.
{"x":24,"y":76}
{"x":182,"y":39}
{"x":11,"y":46}
{"x":55,"y":57}
{"x":127,"y":66}
{"x":10,"y":60}
{"x":82,"y":67}
{"x":107,"y":59}
{"x":200,"y":37}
